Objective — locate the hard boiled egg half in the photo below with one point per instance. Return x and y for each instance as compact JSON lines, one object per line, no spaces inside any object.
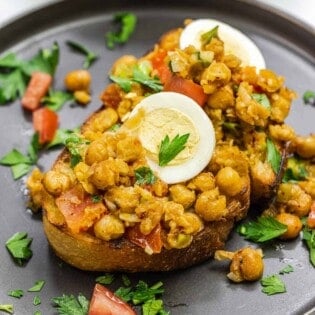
{"x":172,"y":115}
{"x":235,"y":42}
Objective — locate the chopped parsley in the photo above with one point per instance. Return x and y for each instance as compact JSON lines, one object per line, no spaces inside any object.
{"x":56,"y":99}
{"x":18,"y":246}
{"x":140,"y":74}
{"x":108,"y":278}
{"x":20,"y":163}
{"x":61,"y":136}
{"x":169,"y":149}
{"x":272,"y":285}
{"x":262,"y":99}
{"x":273,"y":156}
{"x":8,"y":308}
{"x":36,"y":300}
{"x":16,"y":293}
{"x":144,"y":176}
{"x":206,"y":37}
{"x":38,"y":285}
{"x":75,"y":144}
{"x":154,"y":307}
{"x":309,"y":238}
{"x":309,"y":97}
{"x":127,"y":22}
{"x":126,"y":281}
{"x":264,"y":229}
{"x":90,"y":56}
{"x":286,"y":269}
{"x":71,"y":305}
{"x":295,"y":170}
{"x":96,"y":198}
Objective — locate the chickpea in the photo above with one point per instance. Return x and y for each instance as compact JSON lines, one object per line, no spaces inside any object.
{"x":202,"y":182}
{"x":82,"y":97}
{"x":229,"y":181}
{"x":305,"y":146}
{"x":293,"y":223}
{"x":181,"y":194}
{"x":123,"y":66}
{"x":78,"y":80}
{"x":96,"y":152}
{"x":109,"y":227}
{"x":246,"y":264}
{"x":56,"y":182}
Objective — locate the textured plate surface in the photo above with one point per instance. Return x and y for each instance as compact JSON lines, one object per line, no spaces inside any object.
{"x":288,"y":47}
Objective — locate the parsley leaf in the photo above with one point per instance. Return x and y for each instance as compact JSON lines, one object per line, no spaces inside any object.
{"x":126,"y":281}
{"x":272,"y":285}
{"x":144,"y":175}
{"x":18,"y":246}
{"x":262,"y":99}
{"x":56,"y":99}
{"x":169,"y":149}
{"x":153,"y":307}
{"x":61,"y":136}
{"x":12,"y":86}
{"x":71,"y":305}
{"x":36,"y":300}
{"x":75,"y":144}
{"x":264,"y":229}
{"x":7,"y":308}
{"x":286,"y":269}
{"x":90,"y":56}
{"x":295,"y":170}
{"x":108,"y":278}
{"x":38,"y":285}
{"x":124,"y":293}
{"x":273,"y":156}
{"x":10,"y":61}
{"x":16,"y":293}
{"x":144,"y":293}
{"x":124,"y":83}
{"x":309,"y":97}
{"x":127,"y":23}
{"x":206,"y":37}
{"x":309,"y":238}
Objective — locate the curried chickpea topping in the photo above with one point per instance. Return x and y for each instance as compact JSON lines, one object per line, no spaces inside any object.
{"x":78,"y":80}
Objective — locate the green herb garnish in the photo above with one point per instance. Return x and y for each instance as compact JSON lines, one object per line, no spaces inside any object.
{"x":309,"y":238}
{"x":21,"y":164}
{"x":309,"y":97}
{"x":71,"y":305}
{"x":36,"y":300}
{"x":61,"y":136}
{"x":16,"y":293}
{"x":295,"y":170}
{"x":273,"y":156}
{"x":18,"y":246}
{"x":38,"y":285}
{"x":154,"y":307}
{"x":8,"y":308}
{"x":108,"y":278}
{"x":286,"y":269}
{"x":206,"y":37}
{"x":264,"y":229}
{"x":262,"y":99}
{"x":169,"y":149}
{"x":75,"y":144}
{"x":12,"y":86}
{"x":90,"y":56}
{"x":96,"y":198}
{"x":272,"y":285}
{"x":56,"y":99}
{"x":126,"y":281}
{"x":127,"y":23}
{"x":144,"y":176}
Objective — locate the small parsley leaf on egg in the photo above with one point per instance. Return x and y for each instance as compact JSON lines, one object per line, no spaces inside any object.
{"x":206,"y":37}
{"x":169,"y":149}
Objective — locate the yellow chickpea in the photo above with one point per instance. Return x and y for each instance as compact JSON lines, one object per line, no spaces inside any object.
{"x":293,"y":223}
{"x":108,"y":228}
{"x":78,"y":80}
{"x":305,"y":146}
{"x":229,"y":181}
{"x":181,"y":194}
{"x":82,"y":97}
{"x":56,"y":182}
{"x":96,"y":152}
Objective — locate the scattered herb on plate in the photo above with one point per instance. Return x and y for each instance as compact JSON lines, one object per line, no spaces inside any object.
{"x":169,"y":149}
{"x":108,"y":278}
{"x":309,"y":97}
{"x":286,"y":269}
{"x":90,"y":56}
{"x":38,"y":285}
{"x":127,"y":22}
{"x":272,"y":285}
{"x":56,"y":99}
{"x":309,"y":238}
{"x":18,"y":246}
{"x":8,"y":308}
{"x":262,"y":230}
{"x":18,"y":293}
{"x":71,"y":305}
{"x":36,"y":300}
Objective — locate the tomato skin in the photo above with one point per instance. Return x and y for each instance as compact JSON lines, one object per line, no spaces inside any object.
{"x":158,"y":64}
{"x":311,"y":217}
{"x":186,"y":87}
{"x":45,"y":122}
{"x":152,"y":240}
{"x":104,"y":302}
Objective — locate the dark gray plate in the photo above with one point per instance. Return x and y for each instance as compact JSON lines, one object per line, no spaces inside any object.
{"x":289,"y":49}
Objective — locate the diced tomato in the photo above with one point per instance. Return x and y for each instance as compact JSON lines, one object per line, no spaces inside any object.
{"x":186,"y":87}
{"x":104,"y":302}
{"x":152,"y":241}
{"x":158,"y":63}
{"x":37,"y":88}
{"x":45,"y":122}
{"x":311,"y":217}
{"x":72,"y":204}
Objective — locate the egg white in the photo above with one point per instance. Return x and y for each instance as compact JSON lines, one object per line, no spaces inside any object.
{"x":203,"y":150}
{"x":235,"y":42}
